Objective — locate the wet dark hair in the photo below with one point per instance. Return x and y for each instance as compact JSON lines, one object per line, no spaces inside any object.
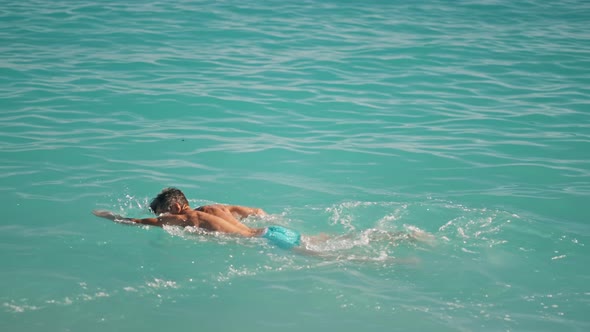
{"x":166,"y":198}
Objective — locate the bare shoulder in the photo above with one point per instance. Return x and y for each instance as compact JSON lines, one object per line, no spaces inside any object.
{"x":175,"y":219}
{"x":208,"y":208}
{"x":192,"y":218}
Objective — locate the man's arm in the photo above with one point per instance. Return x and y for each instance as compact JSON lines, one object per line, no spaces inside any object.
{"x":198,"y":219}
{"x":159,"y":221}
{"x":214,"y":223}
{"x":225,"y":212}
{"x":244,"y":211}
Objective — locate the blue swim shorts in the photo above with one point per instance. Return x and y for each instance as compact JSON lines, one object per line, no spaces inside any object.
{"x":282,"y":237}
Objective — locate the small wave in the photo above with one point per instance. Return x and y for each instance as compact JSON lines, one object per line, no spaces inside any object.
{"x":19,"y":307}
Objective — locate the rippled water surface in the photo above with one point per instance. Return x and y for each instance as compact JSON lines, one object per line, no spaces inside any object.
{"x":443,"y":145}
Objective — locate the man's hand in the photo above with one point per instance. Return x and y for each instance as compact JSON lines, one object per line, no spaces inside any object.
{"x":106,"y":214}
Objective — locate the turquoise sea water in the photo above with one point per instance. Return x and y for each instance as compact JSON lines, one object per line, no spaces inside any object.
{"x":468,"y":120}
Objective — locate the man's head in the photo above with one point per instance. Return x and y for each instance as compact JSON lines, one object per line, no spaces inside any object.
{"x":169,"y":200}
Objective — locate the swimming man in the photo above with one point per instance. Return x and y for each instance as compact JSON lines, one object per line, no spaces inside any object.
{"x":172,"y":208}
